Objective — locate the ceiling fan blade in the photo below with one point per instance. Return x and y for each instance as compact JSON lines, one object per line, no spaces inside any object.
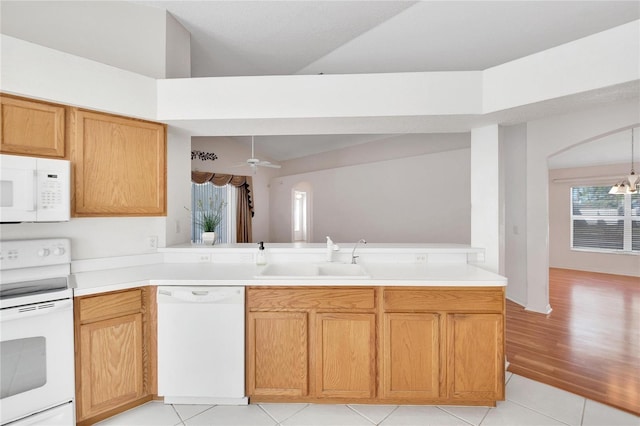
{"x":268,"y":164}
{"x":253,"y":161}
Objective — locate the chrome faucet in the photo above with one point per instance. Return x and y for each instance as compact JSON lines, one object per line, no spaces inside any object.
{"x":353,"y":253}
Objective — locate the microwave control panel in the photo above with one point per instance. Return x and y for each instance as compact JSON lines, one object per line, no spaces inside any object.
{"x":53,"y":196}
{"x":51,"y":188}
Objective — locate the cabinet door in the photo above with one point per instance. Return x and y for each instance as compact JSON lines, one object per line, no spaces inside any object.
{"x":31,"y":128}
{"x":120,"y":166}
{"x":345,"y":355}
{"x":411,"y":357}
{"x":277,"y":353}
{"x":110,"y":364}
{"x":476,"y":356}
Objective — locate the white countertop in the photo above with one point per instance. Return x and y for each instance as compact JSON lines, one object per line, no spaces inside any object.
{"x":242,"y":274}
{"x":234,"y":265}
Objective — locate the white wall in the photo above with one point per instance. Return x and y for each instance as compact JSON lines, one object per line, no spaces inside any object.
{"x":31,"y":70}
{"x":230,"y":154}
{"x":514,"y":151}
{"x":611,"y":57}
{"x":303,"y":96}
{"x":94,"y":237}
{"x":487,"y":196}
{"x":121,"y":34}
{"x":178,"y":49}
{"x":424,"y":199}
{"x":388,"y":148}
{"x":178,"y":223}
{"x":72,"y":80}
{"x":560,"y":253}
{"x":546,"y":137}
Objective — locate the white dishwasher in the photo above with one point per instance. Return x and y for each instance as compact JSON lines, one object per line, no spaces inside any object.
{"x":201,"y":345}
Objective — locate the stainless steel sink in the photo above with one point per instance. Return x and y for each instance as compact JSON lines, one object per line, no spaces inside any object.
{"x":326,"y":271}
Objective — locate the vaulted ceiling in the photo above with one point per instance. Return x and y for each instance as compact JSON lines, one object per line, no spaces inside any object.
{"x":243,"y":38}
{"x":249,"y":38}
{"x":232,"y":38}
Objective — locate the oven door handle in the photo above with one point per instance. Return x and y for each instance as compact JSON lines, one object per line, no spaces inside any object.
{"x":45,"y":308}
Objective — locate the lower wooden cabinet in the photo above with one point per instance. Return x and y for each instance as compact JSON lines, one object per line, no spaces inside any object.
{"x":111,"y":359}
{"x":310,"y":343}
{"x":476,"y":363}
{"x":277,"y":362}
{"x":411,"y":357}
{"x":115,"y":349}
{"x":345,"y":355}
{"x":414,"y":345}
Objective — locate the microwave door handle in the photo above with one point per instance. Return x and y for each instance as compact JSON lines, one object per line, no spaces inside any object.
{"x":33,"y":194}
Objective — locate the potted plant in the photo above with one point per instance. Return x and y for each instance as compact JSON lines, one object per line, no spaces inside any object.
{"x":211,"y":218}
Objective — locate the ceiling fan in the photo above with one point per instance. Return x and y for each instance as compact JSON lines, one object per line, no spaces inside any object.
{"x":253,"y":162}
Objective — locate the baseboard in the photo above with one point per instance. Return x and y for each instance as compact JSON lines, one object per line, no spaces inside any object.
{"x":546,"y":310}
{"x":205,"y":400}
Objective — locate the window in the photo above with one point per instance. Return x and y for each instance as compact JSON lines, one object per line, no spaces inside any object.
{"x":202,"y":196}
{"x":299,"y":216}
{"x":604,"y":222}
{"x":302,"y":212}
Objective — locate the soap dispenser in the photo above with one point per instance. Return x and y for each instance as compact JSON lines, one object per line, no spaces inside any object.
{"x":261,"y":257}
{"x":330,"y":248}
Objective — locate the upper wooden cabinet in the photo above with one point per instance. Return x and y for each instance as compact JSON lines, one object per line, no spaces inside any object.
{"x":32,"y":128}
{"x":119,"y":165}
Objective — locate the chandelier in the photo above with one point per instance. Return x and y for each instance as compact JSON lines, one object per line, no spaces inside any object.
{"x":629,"y":184}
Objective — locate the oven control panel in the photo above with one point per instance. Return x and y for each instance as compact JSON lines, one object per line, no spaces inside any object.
{"x":33,"y":253}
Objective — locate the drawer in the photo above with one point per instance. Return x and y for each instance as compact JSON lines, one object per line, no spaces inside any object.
{"x":111,"y":305}
{"x":451,"y":300}
{"x":311,"y":298}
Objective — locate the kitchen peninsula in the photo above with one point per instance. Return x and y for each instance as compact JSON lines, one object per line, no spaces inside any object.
{"x":424,"y":326}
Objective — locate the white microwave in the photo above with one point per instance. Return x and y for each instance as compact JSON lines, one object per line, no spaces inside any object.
{"x":34,"y":189}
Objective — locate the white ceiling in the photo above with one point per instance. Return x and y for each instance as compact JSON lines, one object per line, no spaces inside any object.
{"x":287,"y":147}
{"x":243,"y":38}
{"x":232,"y":38}
{"x":611,"y":149}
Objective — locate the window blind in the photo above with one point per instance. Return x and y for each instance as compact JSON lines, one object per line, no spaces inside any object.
{"x":602,"y":221}
{"x":201,"y":196}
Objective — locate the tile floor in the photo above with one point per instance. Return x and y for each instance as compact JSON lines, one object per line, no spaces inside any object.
{"x":528,"y":403}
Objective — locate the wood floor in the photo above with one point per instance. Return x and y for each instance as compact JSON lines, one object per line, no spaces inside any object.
{"x":589,"y":344}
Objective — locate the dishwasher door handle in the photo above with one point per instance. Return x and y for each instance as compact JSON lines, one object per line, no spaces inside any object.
{"x":190,"y":295}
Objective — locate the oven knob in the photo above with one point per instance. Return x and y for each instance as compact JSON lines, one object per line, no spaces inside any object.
{"x":43,"y":252}
{"x":58,"y":251}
